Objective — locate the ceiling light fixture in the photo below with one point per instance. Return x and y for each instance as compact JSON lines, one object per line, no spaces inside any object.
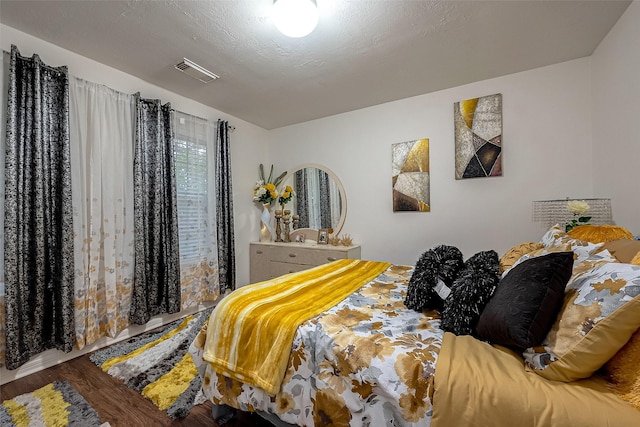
{"x":295,"y":18}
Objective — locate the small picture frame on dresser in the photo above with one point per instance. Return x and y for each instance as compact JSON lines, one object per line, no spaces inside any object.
{"x":323,"y":236}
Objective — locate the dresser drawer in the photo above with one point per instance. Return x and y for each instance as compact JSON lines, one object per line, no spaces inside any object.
{"x":270,"y":260}
{"x":260,"y":263}
{"x":306,"y":256}
{"x":261,"y":251}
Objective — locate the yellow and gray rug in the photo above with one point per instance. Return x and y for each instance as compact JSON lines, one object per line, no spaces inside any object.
{"x":55,"y":405}
{"x":158,"y":365}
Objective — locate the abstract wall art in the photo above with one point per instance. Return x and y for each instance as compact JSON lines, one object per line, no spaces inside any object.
{"x":478,"y":137}
{"x":410,"y":170}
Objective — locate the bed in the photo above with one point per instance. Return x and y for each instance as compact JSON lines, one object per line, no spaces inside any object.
{"x":368,"y":360}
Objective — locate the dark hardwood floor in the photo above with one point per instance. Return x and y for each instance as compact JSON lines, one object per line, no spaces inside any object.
{"x":115,"y":402}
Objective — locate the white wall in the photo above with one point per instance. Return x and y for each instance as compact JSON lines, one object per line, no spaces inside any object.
{"x":616,"y":117}
{"x":248,"y":142}
{"x":547,"y":155}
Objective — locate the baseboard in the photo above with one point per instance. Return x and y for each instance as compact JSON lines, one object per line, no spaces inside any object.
{"x":50,"y":358}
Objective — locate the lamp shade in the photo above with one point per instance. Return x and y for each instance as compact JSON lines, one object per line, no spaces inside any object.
{"x":295,"y":18}
{"x":552,"y":212}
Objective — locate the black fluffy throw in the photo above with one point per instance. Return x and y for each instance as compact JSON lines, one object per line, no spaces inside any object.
{"x":470,"y":293}
{"x":441,"y":263}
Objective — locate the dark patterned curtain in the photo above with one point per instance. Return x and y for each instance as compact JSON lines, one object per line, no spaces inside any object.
{"x":38,"y":215}
{"x":302,"y":202}
{"x":325,"y":199}
{"x":156,"y":287}
{"x":224,"y":210}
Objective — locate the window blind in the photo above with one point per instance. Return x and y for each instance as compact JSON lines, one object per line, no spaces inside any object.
{"x":191,"y":181}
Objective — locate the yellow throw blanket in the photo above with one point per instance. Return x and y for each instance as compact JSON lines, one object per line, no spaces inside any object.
{"x":251,"y":331}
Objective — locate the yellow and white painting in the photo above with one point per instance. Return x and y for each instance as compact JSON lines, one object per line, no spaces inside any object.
{"x":411,"y":178}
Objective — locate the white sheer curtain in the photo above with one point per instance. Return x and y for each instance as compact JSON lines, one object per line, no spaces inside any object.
{"x":194,"y":156}
{"x":335,"y":202}
{"x":101,"y":131}
{"x":313,"y":194}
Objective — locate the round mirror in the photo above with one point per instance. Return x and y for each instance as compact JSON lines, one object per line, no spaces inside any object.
{"x":320,"y":200}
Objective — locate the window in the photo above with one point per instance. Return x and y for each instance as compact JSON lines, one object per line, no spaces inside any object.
{"x":194,"y":162}
{"x":192,"y":187}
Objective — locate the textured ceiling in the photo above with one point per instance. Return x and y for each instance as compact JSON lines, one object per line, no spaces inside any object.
{"x":362,"y":53}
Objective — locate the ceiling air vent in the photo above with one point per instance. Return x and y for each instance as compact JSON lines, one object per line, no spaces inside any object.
{"x":196,"y":71}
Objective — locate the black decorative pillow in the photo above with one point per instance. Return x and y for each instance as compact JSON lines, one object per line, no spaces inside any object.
{"x":470,"y":292}
{"x":527,"y":301}
{"x":440,"y":264}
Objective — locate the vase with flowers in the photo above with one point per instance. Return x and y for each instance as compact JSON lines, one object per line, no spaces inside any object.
{"x":578,"y":208}
{"x":265,"y":192}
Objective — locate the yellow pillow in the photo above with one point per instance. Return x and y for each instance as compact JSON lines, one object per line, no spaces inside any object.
{"x":624,"y":375}
{"x":516,"y":252}
{"x":636,"y":259}
{"x":623,"y":249}
{"x":600,"y":233}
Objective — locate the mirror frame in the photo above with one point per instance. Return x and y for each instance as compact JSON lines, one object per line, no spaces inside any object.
{"x":343,"y":194}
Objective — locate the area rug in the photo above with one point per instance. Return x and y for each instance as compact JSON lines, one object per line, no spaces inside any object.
{"x":55,"y":405}
{"x":158,"y":365}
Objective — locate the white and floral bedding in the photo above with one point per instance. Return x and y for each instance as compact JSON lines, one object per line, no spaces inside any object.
{"x":371,"y":361}
{"x":367,"y":359}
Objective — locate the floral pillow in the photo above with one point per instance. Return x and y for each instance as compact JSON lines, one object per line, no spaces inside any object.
{"x":598,"y":258}
{"x":556,"y":237}
{"x":601,"y":311}
{"x":552,"y":236}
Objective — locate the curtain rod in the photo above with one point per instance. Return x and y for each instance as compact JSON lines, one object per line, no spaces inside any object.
{"x":230,"y":128}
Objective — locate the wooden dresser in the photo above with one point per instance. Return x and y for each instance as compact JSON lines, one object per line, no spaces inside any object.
{"x":270,"y":260}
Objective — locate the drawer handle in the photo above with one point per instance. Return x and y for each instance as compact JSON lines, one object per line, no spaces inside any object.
{"x":330,"y":258}
{"x":292,"y":255}
{"x":259,"y":252}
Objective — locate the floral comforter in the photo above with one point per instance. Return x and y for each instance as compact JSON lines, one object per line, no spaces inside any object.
{"x":367,"y":361}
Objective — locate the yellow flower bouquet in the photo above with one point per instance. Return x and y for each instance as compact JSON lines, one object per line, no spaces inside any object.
{"x":265,"y":191}
{"x":286,"y":196}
